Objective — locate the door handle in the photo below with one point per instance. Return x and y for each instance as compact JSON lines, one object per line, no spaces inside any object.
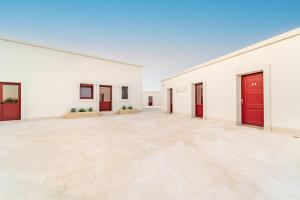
{"x":242,"y":100}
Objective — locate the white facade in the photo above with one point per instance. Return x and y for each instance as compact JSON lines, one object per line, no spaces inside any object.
{"x":279,"y":60}
{"x":156,"y":97}
{"x":50,"y":79}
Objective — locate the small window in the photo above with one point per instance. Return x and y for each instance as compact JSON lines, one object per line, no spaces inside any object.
{"x":10,"y":93}
{"x":124,"y":92}
{"x":86,"y":91}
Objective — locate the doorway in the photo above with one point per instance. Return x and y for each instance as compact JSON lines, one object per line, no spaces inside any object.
{"x":105,"y":102}
{"x":170,"y":100}
{"x":150,"y":101}
{"x":10,"y":101}
{"x":199,"y":100}
{"x":253,"y":99}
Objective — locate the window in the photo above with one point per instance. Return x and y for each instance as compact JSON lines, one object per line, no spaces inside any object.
{"x":86,"y":91}
{"x":10,"y":93}
{"x":124,"y":92}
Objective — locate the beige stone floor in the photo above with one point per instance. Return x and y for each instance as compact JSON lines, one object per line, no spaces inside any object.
{"x":145,"y":156}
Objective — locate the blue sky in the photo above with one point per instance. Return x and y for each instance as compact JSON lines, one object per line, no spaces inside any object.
{"x":164,"y":36}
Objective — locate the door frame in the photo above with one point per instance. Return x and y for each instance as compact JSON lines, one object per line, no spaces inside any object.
{"x":111,"y":100}
{"x":265,"y":69}
{"x":150,"y":97}
{"x":193,"y":97}
{"x":19,"y":97}
{"x":243,"y":92}
{"x":195,"y":106}
{"x":170,"y":99}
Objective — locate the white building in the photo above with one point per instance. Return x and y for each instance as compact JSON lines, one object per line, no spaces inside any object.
{"x":37,"y":81}
{"x":151,"y":98}
{"x":258,"y":85}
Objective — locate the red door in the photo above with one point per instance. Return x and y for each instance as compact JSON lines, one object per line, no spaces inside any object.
{"x":253,"y":99}
{"x":105,"y":98}
{"x":171,"y":100}
{"x":199,"y":100}
{"x":150,"y":101}
{"x":10,"y":101}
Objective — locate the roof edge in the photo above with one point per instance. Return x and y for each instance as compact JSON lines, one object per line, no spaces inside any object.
{"x":253,"y":47}
{"x":68,"y":52}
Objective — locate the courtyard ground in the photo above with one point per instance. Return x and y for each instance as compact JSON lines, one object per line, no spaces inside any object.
{"x":145,"y":156}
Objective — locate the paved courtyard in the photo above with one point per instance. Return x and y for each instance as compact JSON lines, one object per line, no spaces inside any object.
{"x":145,"y":156}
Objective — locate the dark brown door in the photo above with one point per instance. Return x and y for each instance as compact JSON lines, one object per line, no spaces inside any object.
{"x":171,"y":100}
{"x":150,"y":101}
{"x":10,"y":101}
{"x":253,"y":99}
{"x":199,"y":100}
{"x":105,"y":98}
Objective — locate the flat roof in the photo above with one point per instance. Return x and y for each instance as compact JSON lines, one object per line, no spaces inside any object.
{"x":278,"y":38}
{"x":69,"y":52}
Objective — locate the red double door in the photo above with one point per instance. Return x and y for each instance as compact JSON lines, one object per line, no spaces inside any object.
{"x":10,"y":101}
{"x":105,"y":98}
{"x":199,"y":100}
{"x":253,"y":99}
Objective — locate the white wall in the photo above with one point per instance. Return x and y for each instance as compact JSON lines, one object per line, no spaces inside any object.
{"x":50,"y":79}
{"x":156,"y":98}
{"x":278,"y":58}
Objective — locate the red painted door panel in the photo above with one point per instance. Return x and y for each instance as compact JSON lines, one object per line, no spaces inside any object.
{"x":253,"y":99}
{"x":1,"y":110}
{"x":150,"y":101}
{"x":10,"y":111}
{"x":10,"y":101}
{"x":199,"y":100}
{"x":105,"y":98}
{"x":105,"y":106}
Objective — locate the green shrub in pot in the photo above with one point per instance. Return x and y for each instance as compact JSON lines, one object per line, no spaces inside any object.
{"x":81,"y":110}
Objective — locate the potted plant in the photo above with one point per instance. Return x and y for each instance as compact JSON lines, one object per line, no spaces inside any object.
{"x":81,"y":113}
{"x":81,"y":110}
{"x":127,"y":110}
